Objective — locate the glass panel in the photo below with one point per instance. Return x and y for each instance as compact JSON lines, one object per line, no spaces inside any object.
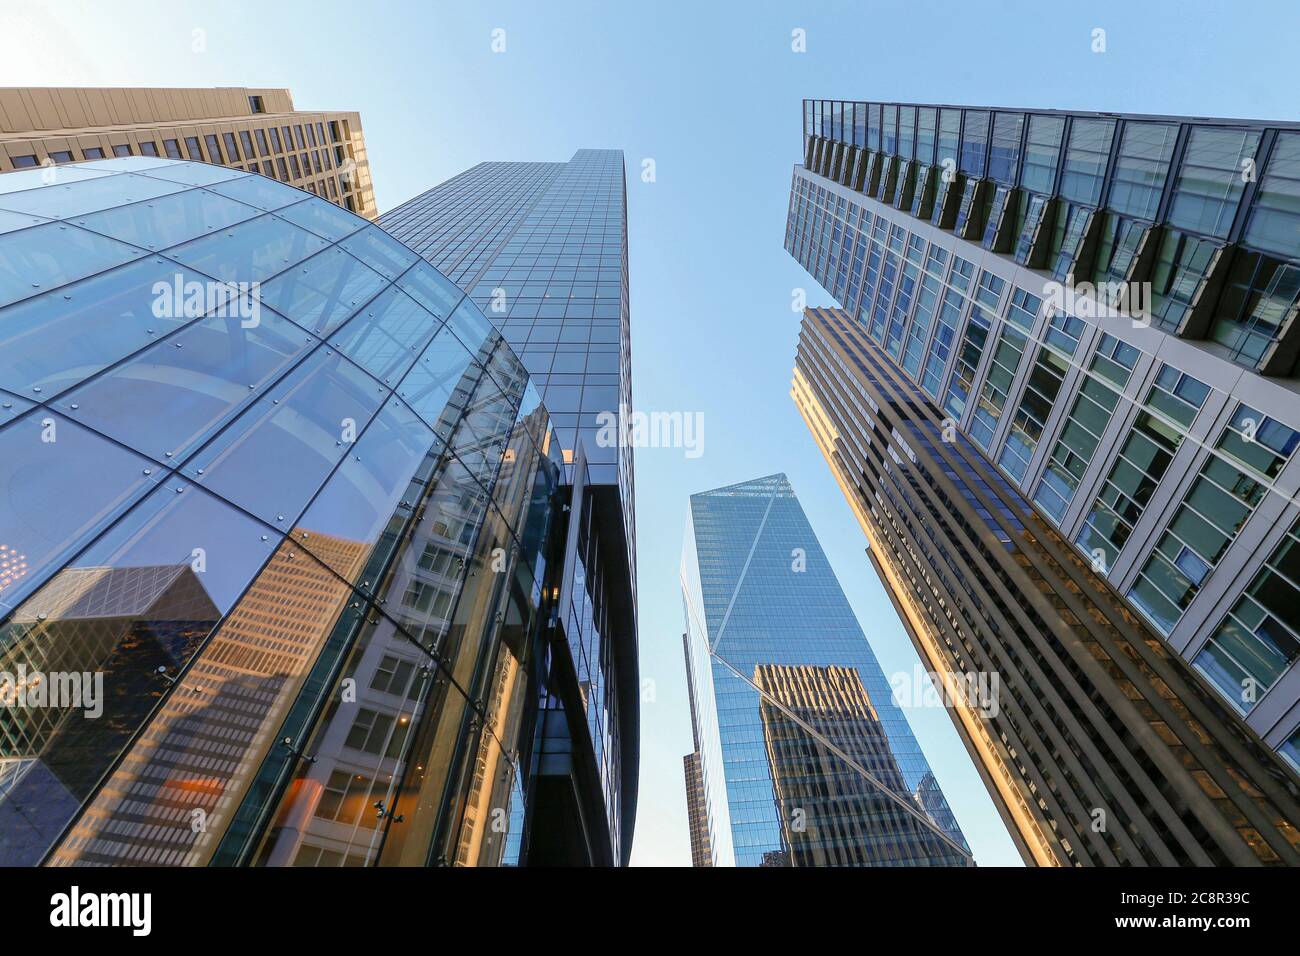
{"x":59,"y":484}
{"x":360,"y":502}
{"x":135,"y":606}
{"x":325,"y":219}
{"x":274,"y":457}
{"x":46,"y":257}
{"x":195,"y":174}
{"x":1275,"y":221}
{"x":1042,"y":152}
{"x":1141,"y":168}
{"x":224,"y":719}
{"x":1210,"y":182}
{"x":431,"y":289}
{"x":323,"y":292}
{"x":79,"y":198}
{"x":55,"y":340}
{"x":1086,"y":158}
{"x":169,"y":220}
{"x":380,"y":251}
{"x":251,"y":251}
{"x":387,"y":336}
{"x":258,"y":191}
{"x":202,"y":376}
{"x":17,"y":181}
{"x":429,"y":386}
{"x":9,"y":221}
{"x":470,"y":325}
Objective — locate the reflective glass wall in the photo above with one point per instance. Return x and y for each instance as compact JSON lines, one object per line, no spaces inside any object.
{"x":275,"y":522}
{"x":806,"y":758}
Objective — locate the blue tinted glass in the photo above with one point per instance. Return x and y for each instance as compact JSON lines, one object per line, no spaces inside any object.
{"x":11,"y":406}
{"x":195,"y":174}
{"x":202,"y":376}
{"x":168,"y":220}
{"x":59,"y":484}
{"x":45,"y":257}
{"x":429,"y":385}
{"x":370,"y":487}
{"x":387,"y":335}
{"x":470,"y":325}
{"x":431,"y":289}
{"x":323,"y":218}
{"x":130,"y":163}
{"x":324,"y":291}
{"x":80,"y":198}
{"x":57,"y":339}
{"x":13,"y":182}
{"x":9,"y":221}
{"x":380,"y":251}
{"x":259,"y":191}
{"x":274,"y":457}
{"x":251,"y":251}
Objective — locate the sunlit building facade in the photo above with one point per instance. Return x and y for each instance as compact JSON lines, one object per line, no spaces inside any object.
{"x":804,"y":757}
{"x":288,"y":493}
{"x":541,"y":248}
{"x":1102,"y":308}
{"x":253,"y":130}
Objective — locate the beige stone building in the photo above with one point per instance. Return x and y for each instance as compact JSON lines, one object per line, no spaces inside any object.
{"x":257,"y":130}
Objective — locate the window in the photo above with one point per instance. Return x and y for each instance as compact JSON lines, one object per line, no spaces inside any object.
{"x":1141,"y":168}
{"x":1260,"y":637}
{"x":974,"y":143}
{"x":232,"y":151}
{"x":1086,"y":156}
{"x":261,"y":142}
{"x":122,"y":149}
{"x":255,"y":105}
{"x":1004,"y":153}
{"x":246,"y":140}
{"x":214,"y":149}
{"x":1213,"y":511}
{"x":193,"y":149}
{"x":172,"y":148}
{"x":148,"y":148}
{"x":1259,"y":294}
{"x":61,"y":156}
{"x":1042,"y":150}
{"x":22,"y":162}
{"x":1211,"y":180}
{"x":275,"y":139}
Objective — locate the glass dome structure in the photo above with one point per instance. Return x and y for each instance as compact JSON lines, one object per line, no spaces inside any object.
{"x":276,"y":504}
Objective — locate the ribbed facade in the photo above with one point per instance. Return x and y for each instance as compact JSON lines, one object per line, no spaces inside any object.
{"x":1106,"y":747}
{"x":1105,"y":306}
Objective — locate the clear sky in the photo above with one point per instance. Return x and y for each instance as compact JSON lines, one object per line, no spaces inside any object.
{"x":711,"y":92}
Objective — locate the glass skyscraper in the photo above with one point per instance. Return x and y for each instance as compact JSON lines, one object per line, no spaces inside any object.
{"x":541,"y":248}
{"x":1078,"y":328}
{"x":804,"y":758}
{"x":281,"y":534}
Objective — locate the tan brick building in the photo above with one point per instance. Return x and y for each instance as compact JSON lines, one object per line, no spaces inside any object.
{"x":257,"y":130}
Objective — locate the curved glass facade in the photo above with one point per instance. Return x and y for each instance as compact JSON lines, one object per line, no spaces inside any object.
{"x":277,"y":521}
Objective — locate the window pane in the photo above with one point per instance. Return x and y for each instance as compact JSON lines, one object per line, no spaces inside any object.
{"x":202,"y":376}
{"x":274,"y":457}
{"x":323,"y":291}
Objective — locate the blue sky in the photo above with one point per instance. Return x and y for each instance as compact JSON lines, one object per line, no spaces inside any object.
{"x":711,"y":92}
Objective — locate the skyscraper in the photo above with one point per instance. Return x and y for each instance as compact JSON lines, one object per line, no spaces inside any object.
{"x":542,"y":249}
{"x":309,"y":531}
{"x":804,"y":757}
{"x":256,"y":130}
{"x":1060,"y":397}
